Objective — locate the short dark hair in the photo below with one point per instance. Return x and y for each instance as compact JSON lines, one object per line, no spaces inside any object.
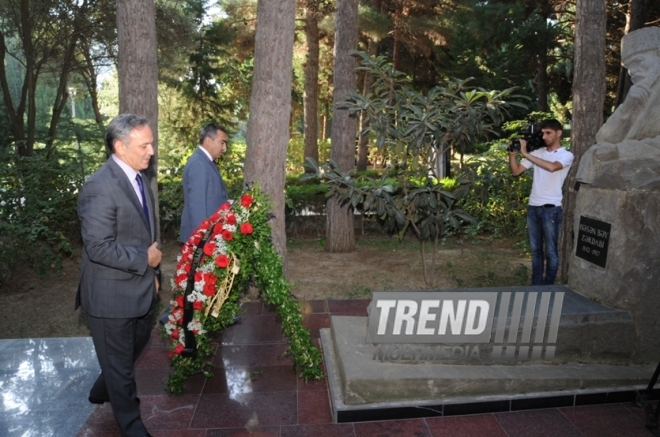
{"x":211,"y":131}
{"x":551,"y":123}
{"x":120,"y":127}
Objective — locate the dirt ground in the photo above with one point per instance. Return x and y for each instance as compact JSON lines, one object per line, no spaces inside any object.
{"x":43,"y":307}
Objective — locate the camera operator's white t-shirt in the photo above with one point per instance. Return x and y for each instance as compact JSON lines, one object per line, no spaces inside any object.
{"x":547,"y":185}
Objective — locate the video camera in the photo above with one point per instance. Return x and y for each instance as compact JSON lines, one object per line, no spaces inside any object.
{"x":534,"y":137}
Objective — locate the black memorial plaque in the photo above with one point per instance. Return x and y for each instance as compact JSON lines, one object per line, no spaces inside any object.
{"x":593,"y":239}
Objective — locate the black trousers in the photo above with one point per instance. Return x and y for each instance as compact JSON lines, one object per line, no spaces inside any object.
{"x":118,"y":344}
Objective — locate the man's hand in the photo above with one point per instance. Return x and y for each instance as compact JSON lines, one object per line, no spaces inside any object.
{"x":523,"y":148}
{"x":635,"y":100}
{"x":154,"y":255}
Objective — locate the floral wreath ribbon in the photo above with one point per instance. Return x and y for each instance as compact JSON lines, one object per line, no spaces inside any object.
{"x":218,"y":298}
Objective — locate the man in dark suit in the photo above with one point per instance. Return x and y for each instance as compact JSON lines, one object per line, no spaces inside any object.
{"x":120,"y":259}
{"x":203,"y":188}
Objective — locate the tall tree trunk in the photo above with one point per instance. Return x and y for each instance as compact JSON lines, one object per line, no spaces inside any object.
{"x":396,"y":34}
{"x":340,"y":234}
{"x":311,"y":98}
{"x":137,"y":65}
{"x":270,"y":107}
{"x":68,"y":59}
{"x":14,"y":117}
{"x":88,"y":73}
{"x":588,"y":101}
{"x":635,"y":19}
{"x":26,"y":145}
{"x":542,"y":81}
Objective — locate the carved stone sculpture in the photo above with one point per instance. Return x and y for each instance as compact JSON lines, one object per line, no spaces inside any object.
{"x":627,"y":153}
{"x":621,"y":192}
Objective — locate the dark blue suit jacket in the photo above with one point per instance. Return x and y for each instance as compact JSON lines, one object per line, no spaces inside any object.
{"x":203,"y":192}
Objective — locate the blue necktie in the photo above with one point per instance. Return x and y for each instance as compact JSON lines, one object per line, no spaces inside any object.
{"x":138,"y":178}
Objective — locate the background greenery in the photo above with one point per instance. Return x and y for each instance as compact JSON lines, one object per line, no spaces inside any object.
{"x":205,"y":71}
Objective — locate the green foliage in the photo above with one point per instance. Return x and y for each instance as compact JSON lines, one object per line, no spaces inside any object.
{"x":498,"y":200}
{"x":428,"y":210}
{"x":213,"y":83}
{"x":420,"y":128}
{"x":170,"y":202}
{"x":295,"y":154}
{"x":231,"y":167}
{"x":37,"y":211}
{"x":305,"y":196}
{"x":505,"y":55}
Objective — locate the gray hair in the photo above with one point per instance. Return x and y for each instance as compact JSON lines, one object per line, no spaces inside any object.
{"x":120,"y":127}
{"x":211,"y":131}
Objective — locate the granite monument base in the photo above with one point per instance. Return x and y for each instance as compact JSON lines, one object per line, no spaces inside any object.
{"x":629,"y":276}
{"x":592,"y":365}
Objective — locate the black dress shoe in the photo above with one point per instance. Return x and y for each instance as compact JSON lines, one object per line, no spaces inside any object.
{"x":94,"y":400}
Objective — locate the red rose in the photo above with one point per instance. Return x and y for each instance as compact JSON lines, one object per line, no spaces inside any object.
{"x":246,"y":200}
{"x":175,"y":334}
{"x":199,"y":275}
{"x":246,"y":229}
{"x":225,"y":206}
{"x":198,"y":305}
{"x":209,"y":289}
{"x":215,"y":217}
{"x":181,"y":279}
{"x":187,"y":267}
{"x":217,"y":229}
{"x":179,"y":301}
{"x":195,"y":239}
{"x":178,"y":349}
{"x":231,"y":219}
{"x":222,"y":261}
{"x":209,"y":248}
{"x":210,"y":278}
{"x":227,"y":235}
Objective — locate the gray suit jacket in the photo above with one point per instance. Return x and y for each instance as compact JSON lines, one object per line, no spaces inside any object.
{"x":115,"y":278}
{"x":203,"y":192}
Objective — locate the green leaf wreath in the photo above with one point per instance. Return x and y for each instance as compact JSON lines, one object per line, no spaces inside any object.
{"x":239,"y":248}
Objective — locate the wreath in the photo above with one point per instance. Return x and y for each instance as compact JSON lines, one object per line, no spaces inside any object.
{"x":225,"y":252}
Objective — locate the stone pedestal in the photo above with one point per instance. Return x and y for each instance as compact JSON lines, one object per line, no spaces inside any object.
{"x":592,"y":364}
{"x":630,"y":280}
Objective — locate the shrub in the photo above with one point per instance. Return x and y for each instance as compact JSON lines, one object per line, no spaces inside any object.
{"x":498,"y":200}
{"x":38,"y":220}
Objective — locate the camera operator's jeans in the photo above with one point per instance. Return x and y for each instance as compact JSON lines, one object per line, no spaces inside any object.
{"x":543,"y":227}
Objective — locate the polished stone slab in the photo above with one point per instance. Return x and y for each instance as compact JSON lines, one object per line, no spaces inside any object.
{"x":44,"y":384}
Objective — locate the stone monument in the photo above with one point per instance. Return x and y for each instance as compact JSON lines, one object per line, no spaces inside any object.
{"x":597,"y":340}
{"x":616,"y":260}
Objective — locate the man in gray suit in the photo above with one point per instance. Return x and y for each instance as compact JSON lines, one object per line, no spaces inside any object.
{"x":120,"y":259}
{"x":203,"y":188}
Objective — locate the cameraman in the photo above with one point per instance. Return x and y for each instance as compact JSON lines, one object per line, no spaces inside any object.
{"x":544,"y":213}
